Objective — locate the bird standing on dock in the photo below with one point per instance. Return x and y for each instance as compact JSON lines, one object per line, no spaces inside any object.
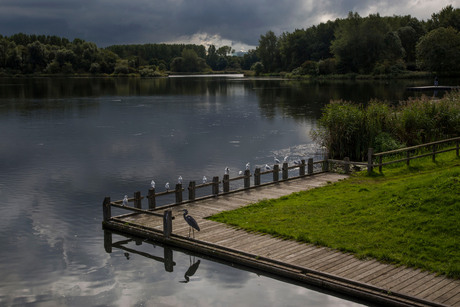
{"x":191,"y":222}
{"x":285,"y":159}
{"x":267,"y":167}
{"x":227,"y":170}
{"x":248,"y":166}
{"x":179,"y":180}
{"x":125,"y":200}
{"x":205,"y":179}
{"x":167,"y":186}
{"x":152,"y":183}
{"x":276,"y":160}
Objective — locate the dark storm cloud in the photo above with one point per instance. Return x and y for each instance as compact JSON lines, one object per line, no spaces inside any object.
{"x":141,"y":21}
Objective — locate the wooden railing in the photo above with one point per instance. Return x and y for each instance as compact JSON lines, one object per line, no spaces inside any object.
{"x":222,"y":187}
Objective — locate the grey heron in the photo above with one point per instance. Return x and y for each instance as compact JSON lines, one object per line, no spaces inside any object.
{"x":191,"y":222}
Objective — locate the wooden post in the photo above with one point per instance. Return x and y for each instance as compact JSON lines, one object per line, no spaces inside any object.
{"x":247,"y":179}
{"x":167,"y":223}
{"x":226,"y":183}
{"x":346,"y":165}
{"x":108,"y":241}
{"x":215,"y":185}
{"x":191,"y":190}
{"x":434,"y":154}
{"x":408,"y":157}
{"x":370,"y":166}
{"x":380,"y":164}
{"x":151,"y":197}
{"x":326,"y":165}
{"x":137,"y":200}
{"x":457,"y":150}
{"x":106,"y":209}
{"x":276,"y":173}
{"x":310,"y":166}
{"x":178,"y":193}
{"x":285,"y":172}
{"x":257,"y":176}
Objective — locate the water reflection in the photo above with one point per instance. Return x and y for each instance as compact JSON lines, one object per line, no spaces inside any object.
{"x":220,"y":279}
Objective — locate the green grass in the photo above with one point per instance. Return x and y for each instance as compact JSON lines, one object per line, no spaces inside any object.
{"x":406,"y":216}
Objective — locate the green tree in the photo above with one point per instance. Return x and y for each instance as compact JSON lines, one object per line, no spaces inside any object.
{"x":439,"y":50}
{"x":212,"y":57}
{"x":447,"y":17}
{"x":188,"y":62}
{"x":268,"y":52}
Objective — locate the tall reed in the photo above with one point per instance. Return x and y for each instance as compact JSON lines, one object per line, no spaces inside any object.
{"x":348,"y":130}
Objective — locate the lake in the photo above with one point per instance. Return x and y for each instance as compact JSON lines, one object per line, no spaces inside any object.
{"x":66,"y":143}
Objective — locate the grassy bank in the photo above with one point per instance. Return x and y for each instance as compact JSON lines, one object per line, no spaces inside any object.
{"x":407,"y":216}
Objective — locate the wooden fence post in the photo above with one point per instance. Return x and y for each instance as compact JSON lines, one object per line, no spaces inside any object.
{"x":178,"y":193}
{"x":191,"y":190}
{"x":215,"y":185}
{"x":276,"y":173}
{"x":137,"y":200}
{"x":434,"y":154}
{"x":380,"y":164}
{"x":257,"y":176}
{"x":247,"y":179}
{"x":226,"y":183}
{"x":151,"y":197}
{"x":326,"y":165}
{"x":106,"y":209}
{"x":347,"y":165}
{"x":310,"y":166}
{"x":285,"y":172}
{"x":408,"y":157}
{"x":458,"y":147}
{"x":167,"y":223}
{"x":370,"y":166}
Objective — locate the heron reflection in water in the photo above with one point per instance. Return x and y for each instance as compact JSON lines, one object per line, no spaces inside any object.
{"x":191,"y":270}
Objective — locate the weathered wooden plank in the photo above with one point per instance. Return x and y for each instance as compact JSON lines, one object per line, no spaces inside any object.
{"x":454,"y":300}
{"x":330,"y":267}
{"x":402,"y":284}
{"x":444,"y":293}
{"x":330,"y":257}
{"x":370,"y":267}
{"x":382,"y":274}
{"x":433,"y":286}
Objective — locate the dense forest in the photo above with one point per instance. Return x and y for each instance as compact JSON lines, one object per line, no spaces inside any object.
{"x":357,"y":45}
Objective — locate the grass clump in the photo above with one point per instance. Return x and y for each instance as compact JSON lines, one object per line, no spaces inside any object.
{"x":408,"y":216}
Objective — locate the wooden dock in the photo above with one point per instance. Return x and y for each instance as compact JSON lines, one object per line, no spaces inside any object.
{"x":433,"y":88}
{"x":318,"y":266}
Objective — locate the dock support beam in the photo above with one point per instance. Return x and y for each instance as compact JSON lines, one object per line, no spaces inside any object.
{"x":226,"y":183}
{"x":167,"y":223}
{"x":152,"y":200}
{"x":215,"y":185}
{"x":137,"y":200}
{"x":191,"y":190}
{"x":285,"y":173}
{"x":276,"y":173}
{"x":178,"y":193}
{"x":309,"y":167}
{"x":106,"y":209}
{"x":247,"y":179}
{"x":257,"y":176}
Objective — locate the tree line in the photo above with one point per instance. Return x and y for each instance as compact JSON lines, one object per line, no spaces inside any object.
{"x":358,"y":45}
{"x":366,"y":45}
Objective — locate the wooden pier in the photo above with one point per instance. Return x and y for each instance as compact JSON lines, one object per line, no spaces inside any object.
{"x":318,"y":266}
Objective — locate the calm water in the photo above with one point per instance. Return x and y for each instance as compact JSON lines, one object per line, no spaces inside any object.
{"x":67,"y":143}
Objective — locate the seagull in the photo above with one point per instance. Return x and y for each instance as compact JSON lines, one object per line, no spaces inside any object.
{"x":125,"y":200}
{"x":296,"y":162}
{"x":276,"y":161}
{"x":167,"y":186}
{"x":267,"y":167}
{"x":240,"y":173}
{"x":152,"y":184}
{"x":191,"y":222}
{"x":205,"y":179}
{"x":285,"y":159}
{"x":227,"y":170}
{"x":248,"y":166}
{"x":179,"y":180}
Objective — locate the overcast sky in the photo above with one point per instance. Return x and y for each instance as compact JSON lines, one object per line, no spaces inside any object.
{"x":222,"y":22}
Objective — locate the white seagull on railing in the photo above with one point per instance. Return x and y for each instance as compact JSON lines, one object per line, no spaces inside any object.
{"x":205,"y":179}
{"x":267,"y":167}
{"x":276,"y":160}
{"x":125,"y":200}
{"x":167,"y":186}
{"x":227,"y":170}
{"x":152,"y":184}
{"x":248,"y":166}
{"x":179,"y":180}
